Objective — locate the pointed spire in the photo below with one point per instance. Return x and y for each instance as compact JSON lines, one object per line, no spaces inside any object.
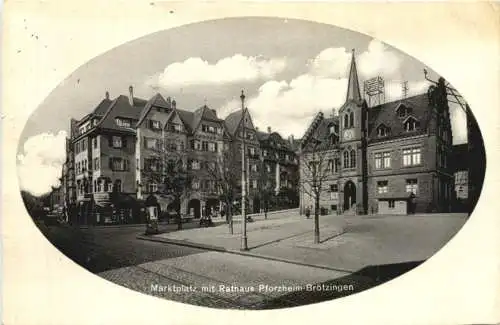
{"x":353,"y":91}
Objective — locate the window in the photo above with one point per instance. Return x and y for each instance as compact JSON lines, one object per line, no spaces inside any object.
{"x":412,"y":186}
{"x":117,"y":142}
{"x":346,"y":120}
{"x":96,"y":164}
{"x":411,"y":125}
{"x":95,"y":186}
{"x":411,"y":156}
{"x":94,"y":142}
{"x":382,"y":187}
{"x":124,"y":123}
{"x":391,"y":204}
{"x":118,"y":164}
{"x":153,"y":187}
{"x":330,"y":165}
{"x":155,"y":125}
{"x":353,"y":158}
{"x":219,"y":130}
{"x":212,"y":147}
{"x":151,"y":164}
{"x":268,"y":168}
{"x":346,"y":159}
{"x":382,"y":160}
{"x":254,"y":168}
{"x":110,"y":187}
{"x":251,"y":151}
{"x":84,"y":144}
{"x":382,"y":131}
{"x":195,"y":185}
{"x":118,"y":185}
{"x":402,"y":111}
{"x":253,"y":184}
{"x":351,"y":119}
{"x":195,"y":165}
{"x":151,"y":143}
{"x":264,"y":153}
{"x":334,"y":189}
{"x":204,"y":146}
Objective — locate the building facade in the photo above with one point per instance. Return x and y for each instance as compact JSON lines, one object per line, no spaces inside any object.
{"x":116,"y":156}
{"x":392,"y":158}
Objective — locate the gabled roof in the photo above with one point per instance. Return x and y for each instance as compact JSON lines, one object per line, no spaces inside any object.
{"x":120,"y":107}
{"x":187,"y":118}
{"x":386,"y":114}
{"x":156,"y":101}
{"x":233,"y":120}
{"x":204,"y":113}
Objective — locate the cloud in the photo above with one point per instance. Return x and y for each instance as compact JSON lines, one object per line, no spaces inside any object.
{"x":40,"y":164}
{"x":378,"y":60}
{"x":237,"y":68}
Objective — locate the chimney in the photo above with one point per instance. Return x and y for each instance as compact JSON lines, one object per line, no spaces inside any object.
{"x":174,"y":104}
{"x":107,"y":95}
{"x":268,"y":129}
{"x":131,"y":95}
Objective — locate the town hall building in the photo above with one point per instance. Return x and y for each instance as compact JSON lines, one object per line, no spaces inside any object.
{"x":392,"y":158}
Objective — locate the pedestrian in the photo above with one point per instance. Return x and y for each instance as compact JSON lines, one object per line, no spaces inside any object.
{"x":308,"y":212}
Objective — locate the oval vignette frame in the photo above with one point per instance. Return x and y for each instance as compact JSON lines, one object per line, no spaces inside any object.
{"x":377,"y":150}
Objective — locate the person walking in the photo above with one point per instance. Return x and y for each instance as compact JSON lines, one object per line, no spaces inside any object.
{"x":308,"y":212}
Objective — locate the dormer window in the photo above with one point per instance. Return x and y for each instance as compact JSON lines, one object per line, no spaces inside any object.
{"x":382,"y":131}
{"x":411,"y":124}
{"x":403,"y":110}
{"x":122,"y":122}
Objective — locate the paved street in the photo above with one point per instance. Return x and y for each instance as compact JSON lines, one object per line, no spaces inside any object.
{"x":365,"y":251}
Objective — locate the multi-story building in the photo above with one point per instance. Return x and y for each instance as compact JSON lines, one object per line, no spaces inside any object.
{"x":196,"y":138}
{"x":239,"y":124}
{"x":391,"y":158}
{"x":279,"y":165}
{"x":116,"y":154}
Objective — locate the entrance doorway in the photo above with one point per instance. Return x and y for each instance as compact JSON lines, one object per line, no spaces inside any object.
{"x":193,"y":208}
{"x":349,"y":195}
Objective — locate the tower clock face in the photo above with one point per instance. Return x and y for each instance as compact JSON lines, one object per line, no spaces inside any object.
{"x":348,"y":134}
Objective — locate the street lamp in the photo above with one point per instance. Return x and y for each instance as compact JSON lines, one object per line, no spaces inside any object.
{"x":244,"y":243}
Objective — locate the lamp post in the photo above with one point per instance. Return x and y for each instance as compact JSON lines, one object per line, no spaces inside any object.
{"x":244,"y":243}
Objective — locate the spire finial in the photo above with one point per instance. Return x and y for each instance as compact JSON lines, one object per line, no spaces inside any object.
{"x":242,"y":97}
{"x":353,"y":89}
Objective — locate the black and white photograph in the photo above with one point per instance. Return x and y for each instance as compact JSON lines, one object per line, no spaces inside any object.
{"x":251,"y":163}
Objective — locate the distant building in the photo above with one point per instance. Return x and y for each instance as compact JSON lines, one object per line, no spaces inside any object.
{"x":391,"y":158}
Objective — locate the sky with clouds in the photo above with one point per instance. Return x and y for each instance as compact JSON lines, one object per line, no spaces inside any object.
{"x":288,"y":76}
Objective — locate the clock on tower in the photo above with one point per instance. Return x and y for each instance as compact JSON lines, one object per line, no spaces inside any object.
{"x":348,"y":134}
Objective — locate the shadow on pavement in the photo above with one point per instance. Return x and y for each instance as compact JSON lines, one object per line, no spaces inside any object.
{"x":359,"y":281}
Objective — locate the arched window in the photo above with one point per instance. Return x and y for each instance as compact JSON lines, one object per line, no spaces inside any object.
{"x":351,"y":119}
{"x":353,"y":158}
{"x":346,"y":120}
{"x":346,"y":159}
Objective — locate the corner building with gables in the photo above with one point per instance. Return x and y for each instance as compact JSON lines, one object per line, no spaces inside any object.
{"x":392,"y":158}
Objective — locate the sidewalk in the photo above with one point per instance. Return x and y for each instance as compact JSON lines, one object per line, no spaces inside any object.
{"x":347,"y":243}
{"x":287,"y":231}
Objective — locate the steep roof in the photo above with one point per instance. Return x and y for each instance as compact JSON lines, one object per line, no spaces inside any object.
{"x":386,"y":114}
{"x":187,"y":118}
{"x":156,"y":101}
{"x":353,"y":89}
{"x":102,"y":107}
{"x":120,"y":107}
{"x":204,"y":113}
{"x":233,"y":120}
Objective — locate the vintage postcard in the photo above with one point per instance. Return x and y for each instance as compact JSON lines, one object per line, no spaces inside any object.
{"x":198,"y":162}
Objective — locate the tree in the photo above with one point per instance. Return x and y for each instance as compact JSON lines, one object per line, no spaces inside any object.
{"x":169,"y":168}
{"x":315,"y":170}
{"x":225,"y":176}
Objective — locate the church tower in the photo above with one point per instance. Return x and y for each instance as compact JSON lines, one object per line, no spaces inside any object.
{"x":353,"y":143}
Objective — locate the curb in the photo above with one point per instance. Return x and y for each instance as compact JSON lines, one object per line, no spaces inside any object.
{"x":236,"y":252}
